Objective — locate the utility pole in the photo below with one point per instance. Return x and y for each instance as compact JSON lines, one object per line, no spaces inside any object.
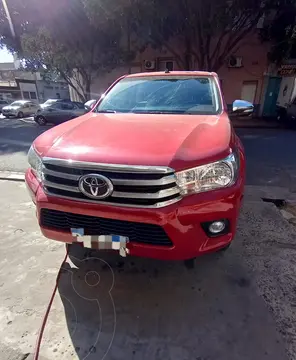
{"x":8,"y":17}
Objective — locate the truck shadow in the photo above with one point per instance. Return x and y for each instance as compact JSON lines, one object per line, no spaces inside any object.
{"x":145,"y":309}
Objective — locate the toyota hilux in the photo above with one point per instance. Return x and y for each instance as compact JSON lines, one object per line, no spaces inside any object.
{"x":155,"y":169}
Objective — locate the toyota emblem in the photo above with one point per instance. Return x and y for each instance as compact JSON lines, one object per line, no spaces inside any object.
{"x":95,"y":186}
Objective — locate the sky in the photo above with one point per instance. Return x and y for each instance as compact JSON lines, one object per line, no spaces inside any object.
{"x":5,"y":56}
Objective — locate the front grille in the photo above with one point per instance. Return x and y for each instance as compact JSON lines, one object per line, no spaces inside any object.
{"x":136,"y":232}
{"x":135,"y":186}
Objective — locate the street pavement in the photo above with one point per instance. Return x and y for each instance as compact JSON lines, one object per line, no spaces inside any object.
{"x":16,"y":137}
{"x":236,"y":305}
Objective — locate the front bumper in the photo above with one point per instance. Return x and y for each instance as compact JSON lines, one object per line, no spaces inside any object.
{"x":9,"y":113}
{"x":181,"y":221}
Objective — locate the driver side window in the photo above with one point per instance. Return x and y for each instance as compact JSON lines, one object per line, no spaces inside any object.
{"x":67,"y":106}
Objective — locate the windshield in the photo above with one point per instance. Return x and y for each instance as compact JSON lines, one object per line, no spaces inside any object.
{"x":50,"y":102}
{"x":17,"y":103}
{"x":168,"y":95}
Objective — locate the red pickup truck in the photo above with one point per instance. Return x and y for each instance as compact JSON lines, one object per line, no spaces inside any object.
{"x":155,"y":169}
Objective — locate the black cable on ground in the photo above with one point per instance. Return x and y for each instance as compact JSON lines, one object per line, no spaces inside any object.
{"x":41,"y":331}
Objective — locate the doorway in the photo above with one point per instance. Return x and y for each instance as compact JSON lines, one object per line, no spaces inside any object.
{"x":271,"y":95}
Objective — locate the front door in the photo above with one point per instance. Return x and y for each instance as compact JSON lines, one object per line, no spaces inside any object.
{"x":271,"y":95}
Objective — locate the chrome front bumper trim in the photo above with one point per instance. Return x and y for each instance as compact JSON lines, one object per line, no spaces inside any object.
{"x":107,"y":167}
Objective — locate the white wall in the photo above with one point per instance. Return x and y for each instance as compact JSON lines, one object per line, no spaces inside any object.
{"x":52,"y":90}
{"x":28,"y":90}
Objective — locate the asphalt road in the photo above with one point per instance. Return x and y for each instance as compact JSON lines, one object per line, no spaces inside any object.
{"x":16,"y":137}
{"x":270,"y":152}
{"x":270,"y":156}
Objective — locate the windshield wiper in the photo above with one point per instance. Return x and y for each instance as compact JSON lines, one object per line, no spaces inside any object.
{"x":158,"y":111}
{"x":106,"y":111}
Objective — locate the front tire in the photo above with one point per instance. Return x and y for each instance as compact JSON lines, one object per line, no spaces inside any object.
{"x":40,"y":120}
{"x":20,"y":115}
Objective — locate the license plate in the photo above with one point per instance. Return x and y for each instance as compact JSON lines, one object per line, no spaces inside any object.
{"x":102,"y":242}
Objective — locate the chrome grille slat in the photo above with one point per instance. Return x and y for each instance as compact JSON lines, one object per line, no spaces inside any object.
{"x":59,"y":174}
{"x":110,"y":167}
{"x":134,"y":186}
{"x":130,"y":182}
{"x":163,"y":181}
{"x":156,"y":195}
{"x":61,"y":186}
{"x":157,"y":205}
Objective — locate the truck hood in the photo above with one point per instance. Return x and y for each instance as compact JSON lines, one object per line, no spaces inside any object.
{"x":178,"y":141}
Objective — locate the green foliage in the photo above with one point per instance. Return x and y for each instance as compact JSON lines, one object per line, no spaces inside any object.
{"x":208,"y":31}
{"x":281,"y":32}
{"x":81,"y":39}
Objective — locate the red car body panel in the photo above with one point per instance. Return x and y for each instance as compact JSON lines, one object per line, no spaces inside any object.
{"x":176,"y":141}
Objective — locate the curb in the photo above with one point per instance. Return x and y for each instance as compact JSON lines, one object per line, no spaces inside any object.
{"x":12,"y":176}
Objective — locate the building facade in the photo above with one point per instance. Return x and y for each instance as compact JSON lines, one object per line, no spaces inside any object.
{"x":17,"y":84}
{"x":243,"y":75}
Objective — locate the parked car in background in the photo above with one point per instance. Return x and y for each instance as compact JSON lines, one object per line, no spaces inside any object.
{"x":3,"y":103}
{"x":90,"y":104}
{"x":59,"y":111}
{"x":20,"y":108}
{"x":53,"y":101}
{"x":154,"y":170}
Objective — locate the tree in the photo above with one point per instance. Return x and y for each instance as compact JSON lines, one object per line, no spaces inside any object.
{"x":280,"y":30}
{"x":62,"y":39}
{"x":208,"y":31}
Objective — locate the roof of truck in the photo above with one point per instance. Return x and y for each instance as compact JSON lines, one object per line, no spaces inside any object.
{"x":173,"y":73}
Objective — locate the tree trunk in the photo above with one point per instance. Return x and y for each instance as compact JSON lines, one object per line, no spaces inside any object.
{"x":187,"y":53}
{"x":187,"y":61}
{"x":87,"y":89}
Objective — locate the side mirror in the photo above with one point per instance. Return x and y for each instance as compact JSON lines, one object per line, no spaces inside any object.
{"x":242,"y":108}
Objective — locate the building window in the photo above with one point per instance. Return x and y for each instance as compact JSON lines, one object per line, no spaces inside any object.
{"x":26,"y":95}
{"x":33,"y":95}
{"x":165,"y":65}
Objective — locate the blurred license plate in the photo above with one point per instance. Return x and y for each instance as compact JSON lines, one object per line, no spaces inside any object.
{"x":102,"y":242}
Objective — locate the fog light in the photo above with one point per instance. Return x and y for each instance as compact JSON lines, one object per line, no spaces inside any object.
{"x":217,"y":227}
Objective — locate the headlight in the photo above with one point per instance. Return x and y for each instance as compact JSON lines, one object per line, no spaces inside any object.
{"x":35,"y":163}
{"x":212,"y":176}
